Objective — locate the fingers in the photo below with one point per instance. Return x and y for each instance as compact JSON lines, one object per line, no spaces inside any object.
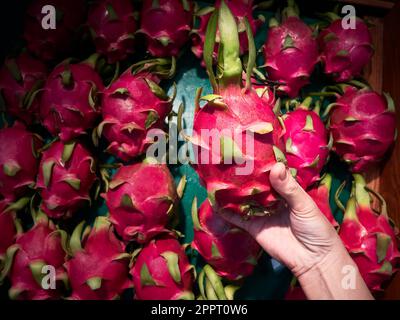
{"x":283,"y":183}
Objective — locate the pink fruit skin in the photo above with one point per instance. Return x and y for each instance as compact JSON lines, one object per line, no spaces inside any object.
{"x":18,"y":161}
{"x":42,"y":243}
{"x":102,"y":257}
{"x":7,"y":230}
{"x":128,"y":115}
{"x":306,"y":147}
{"x":161,"y":285}
{"x":232,"y":252}
{"x":31,"y":74}
{"x":320,"y":194}
{"x":295,"y":293}
{"x":240,"y":9}
{"x":291,"y":65}
{"x":140,"y":201}
{"x":113,"y":36}
{"x":168,"y":20}
{"x":245,"y":194}
{"x":69,"y":182}
{"x":345,"y":52}
{"x":360,"y":232}
{"x":66,"y":110}
{"x":363,"y":128}
{"x":49,"y":44}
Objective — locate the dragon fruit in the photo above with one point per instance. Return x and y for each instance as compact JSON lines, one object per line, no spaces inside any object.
{"x":21,"y":79}
{"x":141,"y":211}
{"x":306,"y":140}
{"x":241,"y":9}
{"x":18,"y":161}
{"x":295,"y":292}
{"x":363,"y":126}
{"x":131,"y":106}
{"x":43,"y":245}
{"x":162,"y":271}
{"x":99,"y":267}
{"x":232,"y":252}
{"x":66,"y":175}
{"x":166,"y":25}
{"x":290,"y":52}
{"x":112,"y":26}
{"x":345,"y":52}
{"x":69,"y":105}
{"x":49,"y":44}
{"x":369,"y":237}
{"x":320,"y":194}
{"x":234,"y":114}
{"x":8,"y":230}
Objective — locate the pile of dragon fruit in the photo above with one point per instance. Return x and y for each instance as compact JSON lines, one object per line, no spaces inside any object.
{"x":75,"y":135}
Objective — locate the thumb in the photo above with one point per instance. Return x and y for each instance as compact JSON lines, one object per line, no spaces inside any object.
{"x":283,"y":183}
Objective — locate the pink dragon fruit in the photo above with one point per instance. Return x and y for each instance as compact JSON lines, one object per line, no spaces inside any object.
{"x":66,"y":175}
{"x":290,"y":52}
{"x":131,"y":106}
{"x":58,"y":42}
{"x":363,"y":126}
{"x":18,"y":161}
{"x":232,"y":252}
{"x":8,"y":230}
{"x":320,"y":194}
{"x":295,"y":292}
{"x":43,"y":245}
{"x":112,"y":26}
{"x":345,"y":52}
{"x":21,"y":79}
{"x":162,"y":271}
{"x":141,"y":211}
{"x":370,"y":238}
{"x":236,"y":114}
{"x":99,"y":267}
{"x":166,"y":25}
{"x":69,"y":105}
{"x":241,"y":9}
{"x":306,"y":140}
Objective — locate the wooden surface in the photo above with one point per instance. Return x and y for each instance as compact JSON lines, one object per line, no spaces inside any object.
{"x":390,"y":178}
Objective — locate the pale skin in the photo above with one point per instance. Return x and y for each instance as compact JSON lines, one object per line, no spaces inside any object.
{"x":303,"y":239}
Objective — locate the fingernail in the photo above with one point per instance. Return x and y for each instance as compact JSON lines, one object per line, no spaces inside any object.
{"x":283,"y":174}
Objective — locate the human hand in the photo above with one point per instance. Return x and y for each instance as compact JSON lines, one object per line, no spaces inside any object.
{"x":300,"y":236}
